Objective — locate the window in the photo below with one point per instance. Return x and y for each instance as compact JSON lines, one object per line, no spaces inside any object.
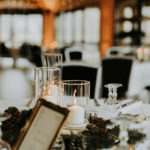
{"x":78,"y":26}
{"x":21,"y":28}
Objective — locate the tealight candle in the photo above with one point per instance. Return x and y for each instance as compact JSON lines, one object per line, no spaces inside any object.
{"x":76,"y":115}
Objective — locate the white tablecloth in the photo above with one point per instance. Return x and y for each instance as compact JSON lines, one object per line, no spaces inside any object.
{"x":137,"y":108}
{"x":140,"y":77}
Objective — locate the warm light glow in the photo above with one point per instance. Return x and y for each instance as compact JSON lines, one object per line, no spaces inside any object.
{"x":52,"y":5}
{"x":139,"y":51}
{"x":145,"y":51}
{"x":48,"y":90}
{"x":52,"y":45}
{"x":74,"y":97}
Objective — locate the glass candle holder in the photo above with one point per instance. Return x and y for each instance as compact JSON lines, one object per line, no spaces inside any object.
{"x":51,"y":59}
{"x":47,"y":84}
{"x":75,"y":92}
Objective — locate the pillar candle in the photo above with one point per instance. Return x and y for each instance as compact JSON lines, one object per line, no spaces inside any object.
{"x":76,"y":115}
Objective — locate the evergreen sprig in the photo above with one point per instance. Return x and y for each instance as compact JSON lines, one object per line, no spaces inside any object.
{"x":95,"y":136}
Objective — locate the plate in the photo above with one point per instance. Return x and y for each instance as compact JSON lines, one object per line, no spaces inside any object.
{"x":76,"y":126}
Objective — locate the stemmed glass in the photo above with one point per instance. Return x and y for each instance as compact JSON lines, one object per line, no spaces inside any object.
{"x":111,"y":105}
{"x":112,"y":93}
{"x":3,"y":144}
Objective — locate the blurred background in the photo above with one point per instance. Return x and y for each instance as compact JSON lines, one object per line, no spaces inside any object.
{"x":29,"y":27}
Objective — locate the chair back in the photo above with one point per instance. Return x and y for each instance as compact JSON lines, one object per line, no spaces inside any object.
{"x":74,"y":54}
{"x":82,"y":71}
{"x":119,"y":51}
{"x":115,"y":70}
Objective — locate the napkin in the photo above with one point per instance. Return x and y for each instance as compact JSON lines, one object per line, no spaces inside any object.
{"x":133,"y":108}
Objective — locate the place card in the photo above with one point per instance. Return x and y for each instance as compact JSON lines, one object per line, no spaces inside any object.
{"x":43,"y":127}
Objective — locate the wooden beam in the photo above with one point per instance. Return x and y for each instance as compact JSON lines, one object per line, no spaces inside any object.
{"x":107,"y":8}
{"x":48,"y":29}
{"x":52,"y":5}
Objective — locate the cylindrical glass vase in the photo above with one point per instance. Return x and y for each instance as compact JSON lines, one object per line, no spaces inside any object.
{"x":47,"y":85}
{"x":75,"y":92}
{"x":51,"y":59}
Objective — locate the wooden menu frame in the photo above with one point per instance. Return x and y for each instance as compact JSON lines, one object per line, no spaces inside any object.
{"x":43,"y":127}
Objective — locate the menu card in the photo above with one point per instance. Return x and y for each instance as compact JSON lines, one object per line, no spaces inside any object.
{"x":43,"y":127}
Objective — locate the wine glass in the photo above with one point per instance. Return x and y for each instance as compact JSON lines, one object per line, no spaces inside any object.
{"x":111,"y":107}
{"x":3,"y":144}
{"x":112,"y":93}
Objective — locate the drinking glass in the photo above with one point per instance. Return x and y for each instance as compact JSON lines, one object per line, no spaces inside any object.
{"x":3,"y":144}
{"x":47,"y":85}
{"x":75,"y":91}
{"x":112,"y":93}
{"x":111,"y":107}
{"x":51,"y":59}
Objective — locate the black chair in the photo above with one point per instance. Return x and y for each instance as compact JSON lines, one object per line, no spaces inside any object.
{"x":74,"y":54}
{"x":4,"y":51}
{"x":115,"y":70}
{"x":32,"y":53}
{"x":36,"y":55}
{"x":82,"y":71}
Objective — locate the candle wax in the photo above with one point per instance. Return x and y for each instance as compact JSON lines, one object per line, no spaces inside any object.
{"x":76,"y":115}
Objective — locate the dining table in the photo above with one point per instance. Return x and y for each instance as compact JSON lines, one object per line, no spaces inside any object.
{"x":101,"y":109}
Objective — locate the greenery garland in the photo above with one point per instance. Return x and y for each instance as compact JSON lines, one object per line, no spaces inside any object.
{"x":95,"y":136}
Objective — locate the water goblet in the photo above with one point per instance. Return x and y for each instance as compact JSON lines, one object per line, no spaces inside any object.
{"x":111,"y":106}
{"x":112,"y":92}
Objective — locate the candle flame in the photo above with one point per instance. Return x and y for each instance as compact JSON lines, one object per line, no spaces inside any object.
{"x":74,"y":96}
{"x":139,"y":50}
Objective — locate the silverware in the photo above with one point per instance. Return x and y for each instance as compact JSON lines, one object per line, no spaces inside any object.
{"x":96,"y":102}
{"x":131,"y":102}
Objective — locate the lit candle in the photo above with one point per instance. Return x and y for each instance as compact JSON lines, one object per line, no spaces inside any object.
{"x":76,"y":114}
{"x":140,"y":54}
{"x":51,"y":93}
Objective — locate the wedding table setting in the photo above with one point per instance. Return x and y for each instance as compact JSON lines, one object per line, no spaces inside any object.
{"x":62,"y":116}
{"x":97,"y":125}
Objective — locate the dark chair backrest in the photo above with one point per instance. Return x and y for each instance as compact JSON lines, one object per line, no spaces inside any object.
{"x":115,"y":70}
{"x":32,"y":53}
{"x":82,"y":71}
{"x":74,"y":54}
{"x":4,"y":51}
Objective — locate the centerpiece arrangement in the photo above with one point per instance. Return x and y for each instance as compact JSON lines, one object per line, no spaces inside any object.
{"x":95,"y":135}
